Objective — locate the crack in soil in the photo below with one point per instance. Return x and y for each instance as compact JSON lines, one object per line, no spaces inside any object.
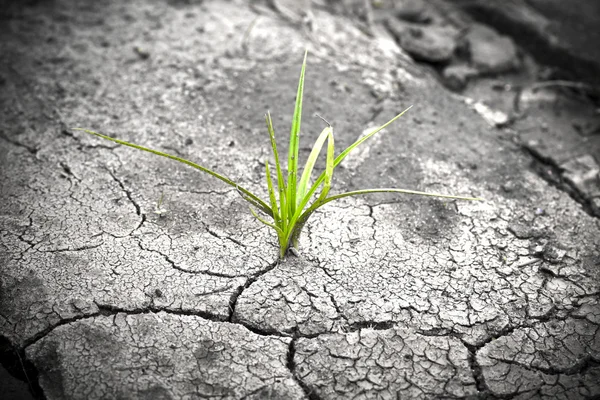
{"x":187,"y":271}
{"x":21,"y":236}
{"x":236,"y":295}
{"x":15,"y":362}
{"x":138,"y":209}
{"x":64,"y":130}
{"x":485,"y":392}
{"x":213,"y":233}
{"x":66,"y":249}
{"x":547,"y":169}
{"x":32,"y":150}
{"x":476,"y":370}
{"x":481,"y":385}
{"x":579,"y":367}
{"x":107,"y":310}
{"x":375,"y":325}
{"x":291,"y":365}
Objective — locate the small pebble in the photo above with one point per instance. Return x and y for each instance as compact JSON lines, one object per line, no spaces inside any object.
{"x":509,"y":186}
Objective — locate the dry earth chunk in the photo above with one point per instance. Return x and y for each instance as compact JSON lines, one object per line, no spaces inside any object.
{"x":369,"y":364}
{"x":161,"y":356}
{"x":491,"y":52}
{"x":557,"y":359}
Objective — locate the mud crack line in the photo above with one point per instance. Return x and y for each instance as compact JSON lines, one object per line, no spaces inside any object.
{"x":187,"y":271}
{"x":236,"y":295}
{"x":138,"y":209}
{"x":547,"y":169}
{"x":32,"y":150}
{"x":291,"y":365}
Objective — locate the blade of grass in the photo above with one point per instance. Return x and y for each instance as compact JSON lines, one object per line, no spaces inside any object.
{"x":283,"y":208}
{"x":295,"y":142}
{"x":388,"y":190}
{"x":247,"y":195}
{"x":310,"y":163}
{"x":272,"y":195}
{"x":279,"y":231}
{"x":294,"y":236}
{"x":299,"y":219}
{"x":344,"y":153}
{"x":328,"y":173}
{"x":329,"y":166}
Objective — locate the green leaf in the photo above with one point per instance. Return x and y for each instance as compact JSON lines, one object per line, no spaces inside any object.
{"x":294,"y":237}
{"x":272,"y":195}
{"x":310,"y":163}
{"x":344,"y":153}
{"x":298,"y":220}
{"x":388,"y":190}
{"x":329,"y":166}
{"x":295,"y":142}
{"x":328,"y":173}
{"x":283,"y":208}
{"x":279,"y":231}
{"x":246,"y":194}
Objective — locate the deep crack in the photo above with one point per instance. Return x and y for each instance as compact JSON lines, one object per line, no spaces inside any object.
{"x":578,"y":367}
{"x":16,"y":363}
{"x":375,"y":325}
{"x":291,"y":365}
{"x":236,"y":295}
{"x":551,"y":172}
{"x":67,"y":249}
{"x":107,"y":309}
{"x":138,"y":209}
{"x":476,"y":370}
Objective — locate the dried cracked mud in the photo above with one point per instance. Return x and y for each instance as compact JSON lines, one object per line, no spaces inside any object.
{"x":391,"y":296}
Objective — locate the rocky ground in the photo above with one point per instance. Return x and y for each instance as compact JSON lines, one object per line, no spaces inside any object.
{"x":391,"y":296}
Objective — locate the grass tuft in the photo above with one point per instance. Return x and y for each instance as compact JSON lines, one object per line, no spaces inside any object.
{"x":287,"y":208}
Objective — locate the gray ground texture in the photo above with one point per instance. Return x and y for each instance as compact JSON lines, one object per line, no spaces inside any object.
{"x":391,"y":296}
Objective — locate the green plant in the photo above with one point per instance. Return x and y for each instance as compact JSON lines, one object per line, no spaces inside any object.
{"x":158,"y":210}
{"x":290,"y":208}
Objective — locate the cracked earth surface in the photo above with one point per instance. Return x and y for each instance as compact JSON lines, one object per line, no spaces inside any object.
{"x":391,"y":297}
